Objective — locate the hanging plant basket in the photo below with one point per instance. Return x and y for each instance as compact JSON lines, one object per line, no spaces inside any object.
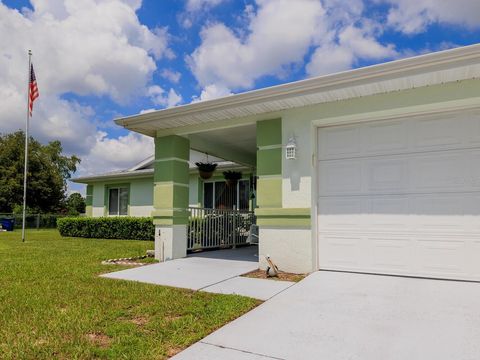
{"x":206,"y":169}
{"x":232,"y":177}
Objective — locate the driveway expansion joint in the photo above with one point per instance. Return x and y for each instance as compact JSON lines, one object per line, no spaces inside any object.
{"x":242,"y":351}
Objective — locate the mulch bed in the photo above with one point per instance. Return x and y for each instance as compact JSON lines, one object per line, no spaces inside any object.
{"x":282,"y":276}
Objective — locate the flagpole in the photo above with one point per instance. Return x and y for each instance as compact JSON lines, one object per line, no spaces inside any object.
{"x":25,"y":171}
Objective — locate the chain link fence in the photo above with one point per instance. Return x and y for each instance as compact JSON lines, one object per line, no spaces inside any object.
{"x":34,"y":221}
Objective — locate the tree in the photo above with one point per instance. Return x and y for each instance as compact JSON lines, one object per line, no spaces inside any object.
{"x":75,"y":204}
{"x":48,"y":172}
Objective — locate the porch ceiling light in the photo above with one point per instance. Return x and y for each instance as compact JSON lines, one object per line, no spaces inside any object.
{"x":291,"y":149}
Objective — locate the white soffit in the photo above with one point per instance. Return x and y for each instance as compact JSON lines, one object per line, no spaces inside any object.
{"x":425,"y":70}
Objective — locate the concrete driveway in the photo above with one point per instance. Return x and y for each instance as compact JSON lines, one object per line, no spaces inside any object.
{"x":333,"y":315}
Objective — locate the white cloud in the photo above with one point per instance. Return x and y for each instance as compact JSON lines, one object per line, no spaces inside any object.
{"x":213,"y":91}
{"x":329,"y":59}
{"x":353,"y":43}
{"x":160,"y":97}
{"x":413,"y":16}
{"x":196,"y":5}
{"x":196,"y":10}
{"x":92,"y":47}
{"x":171,"y":75}
{"x":115,"y":154}
{"x":280,"y":34}
{"x":146,"y":111}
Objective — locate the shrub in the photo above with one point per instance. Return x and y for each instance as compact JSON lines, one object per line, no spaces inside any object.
{"x":134,"y":228}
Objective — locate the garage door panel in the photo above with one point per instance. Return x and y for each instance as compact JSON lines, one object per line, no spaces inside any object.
{"x":343,"y":251}
{"x":390,"y":174}
{"x":402,"y":198}
{"x":390,"y":253}
{"x":438,"y":133}
{"x":443,"y":171}
{"x":389,"y":137}
{"x":442,"y":257}
{"x":438,"y":171}
{"x":341,"y":177}
{"x":339,"y":142}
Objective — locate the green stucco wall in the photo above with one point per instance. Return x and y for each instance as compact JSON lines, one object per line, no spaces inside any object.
{"x":140,"y":196}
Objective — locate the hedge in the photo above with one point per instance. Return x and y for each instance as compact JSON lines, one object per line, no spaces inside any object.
{"x":134,"y":228}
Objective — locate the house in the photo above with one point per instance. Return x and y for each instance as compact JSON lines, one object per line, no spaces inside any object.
{"x":130,"y":192}
{"x":370,"y":170}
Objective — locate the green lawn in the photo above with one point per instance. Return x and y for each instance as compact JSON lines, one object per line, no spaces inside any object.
{"x":53,"y":304}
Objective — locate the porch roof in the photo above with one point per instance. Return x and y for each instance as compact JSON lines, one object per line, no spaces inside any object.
{"x":138,"y":173}
{"x":431,"y":69}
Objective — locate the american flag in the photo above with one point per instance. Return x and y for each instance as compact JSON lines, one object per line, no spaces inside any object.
{"x":33,"y":89}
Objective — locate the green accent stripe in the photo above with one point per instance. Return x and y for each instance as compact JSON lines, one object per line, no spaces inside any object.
{"x":269,"y":132}
{"x":284,"y":212}
{"x":172,"y":146}
{"x":284,"y":217}
{"x":172,"y":170}
{"x":269,"y":192}
{"x":269,"y":162}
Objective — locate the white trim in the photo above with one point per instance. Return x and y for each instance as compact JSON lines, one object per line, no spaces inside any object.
{"x":314,"y":192}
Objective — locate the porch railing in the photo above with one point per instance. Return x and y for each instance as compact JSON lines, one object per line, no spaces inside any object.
{"x":216,"y":228}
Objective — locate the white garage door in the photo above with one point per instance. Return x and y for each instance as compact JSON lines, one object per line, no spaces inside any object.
{"x":401,"y":197}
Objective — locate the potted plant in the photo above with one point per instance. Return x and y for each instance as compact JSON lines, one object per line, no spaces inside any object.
{"x":232,"y":177}
{"x":206,"y":169}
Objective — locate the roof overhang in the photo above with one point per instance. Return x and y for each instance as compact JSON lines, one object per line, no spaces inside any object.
{"x":425,"y":70}
{"x":147,"y":173}
{"x":125,"y":175}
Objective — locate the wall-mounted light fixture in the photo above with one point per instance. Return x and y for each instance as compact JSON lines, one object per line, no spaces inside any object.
{"x":291,"y":149}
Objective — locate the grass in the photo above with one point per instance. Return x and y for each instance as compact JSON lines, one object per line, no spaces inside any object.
{"x":53,"y":304}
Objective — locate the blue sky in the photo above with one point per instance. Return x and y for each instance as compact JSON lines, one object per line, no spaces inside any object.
{"x":97,"y":60}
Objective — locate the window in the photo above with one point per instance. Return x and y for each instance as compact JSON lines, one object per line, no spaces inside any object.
{"x":118,"y":201}
{"x":218,"y":195}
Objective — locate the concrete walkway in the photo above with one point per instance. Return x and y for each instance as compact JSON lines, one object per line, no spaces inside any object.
{"x":210,"y":271}
{"x":337,"y":316}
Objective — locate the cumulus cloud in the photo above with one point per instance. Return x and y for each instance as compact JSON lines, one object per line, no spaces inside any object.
{"x":213,"y":91}
{"x":171,"y":75}
{"x":105,"y":153}
{"x":353,"y":43}
{"x":160,"y":97}
{"x":280,"y":34}
{"x":196,"y":10}
{"x":413,"y":16}
{"x":80,"y":50}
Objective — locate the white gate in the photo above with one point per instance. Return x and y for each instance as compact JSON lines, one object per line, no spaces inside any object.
{"x":217,"y":228}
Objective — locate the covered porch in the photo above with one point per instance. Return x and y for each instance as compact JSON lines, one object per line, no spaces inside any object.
{"x":225,"y":214}
{"x":257,"y":141}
